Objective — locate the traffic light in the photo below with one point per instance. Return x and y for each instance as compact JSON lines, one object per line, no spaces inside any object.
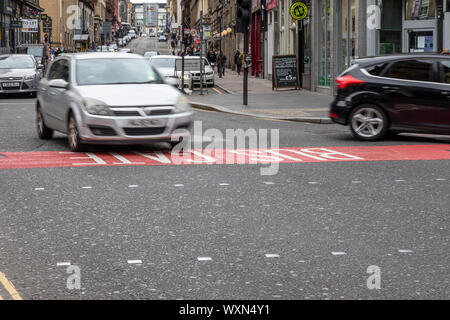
{"x":243,"y":16}
{"x":46,"y":38}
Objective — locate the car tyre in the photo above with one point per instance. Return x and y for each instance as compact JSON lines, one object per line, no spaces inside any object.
{"x":73,"y":136}
{"x":43,"y":131}
{"x":368,"y":122}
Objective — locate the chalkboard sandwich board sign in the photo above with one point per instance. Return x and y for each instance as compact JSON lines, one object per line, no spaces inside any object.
{"x":285,"y":72}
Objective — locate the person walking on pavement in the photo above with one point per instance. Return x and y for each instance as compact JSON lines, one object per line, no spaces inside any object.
{"x":221,"y":60}
{"x":211,"y":57}
{"x":238,"y":62}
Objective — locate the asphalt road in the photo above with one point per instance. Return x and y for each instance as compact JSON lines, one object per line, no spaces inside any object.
{"x":223,"y":231}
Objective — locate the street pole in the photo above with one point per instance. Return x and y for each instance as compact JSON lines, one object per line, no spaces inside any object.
{"x":245,"y":93}
{"x":182,"y":51}
{"x":201,"y":52}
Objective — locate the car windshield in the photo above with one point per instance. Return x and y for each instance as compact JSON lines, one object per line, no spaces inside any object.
{"x":16,"y":62}
{"x":37,"y":52}
{"x":163,"y":62}
{"x":115,"y":71}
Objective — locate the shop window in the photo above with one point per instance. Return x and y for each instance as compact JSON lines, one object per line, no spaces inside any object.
{"x":325,"y":27}
{"x":420,"y":9}
{"x":445,"y":67}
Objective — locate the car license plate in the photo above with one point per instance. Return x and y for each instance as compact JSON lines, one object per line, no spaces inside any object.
{"x":146,"y":123}
{"x":10,"y":84}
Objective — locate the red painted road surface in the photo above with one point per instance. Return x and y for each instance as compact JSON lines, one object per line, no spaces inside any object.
{"x":54,"y":159}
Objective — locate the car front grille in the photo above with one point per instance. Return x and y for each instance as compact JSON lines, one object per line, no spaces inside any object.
{"x":10,"y":78}
{"x":127,"y":113}
{"x":143,"y":131}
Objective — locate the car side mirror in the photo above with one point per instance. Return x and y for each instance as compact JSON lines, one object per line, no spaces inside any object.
{"x":40,"y":66}
{"x":58,"y":83}
{"x":172,"y":81}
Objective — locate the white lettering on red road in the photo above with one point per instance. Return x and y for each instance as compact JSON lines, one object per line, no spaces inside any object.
{"x":49,"y":159}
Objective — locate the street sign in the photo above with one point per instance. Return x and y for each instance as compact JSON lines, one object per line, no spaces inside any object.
{"x":299,"y":11}
{"x":248,"y":61}
{"x":16,"y":24}
{"x":44,"y":16}
{"x":206,"y":32}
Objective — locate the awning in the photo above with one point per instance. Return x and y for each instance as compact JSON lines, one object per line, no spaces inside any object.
{"x":81,"y":37}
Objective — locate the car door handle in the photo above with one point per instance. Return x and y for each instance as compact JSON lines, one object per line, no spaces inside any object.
{"x":445,"y":93}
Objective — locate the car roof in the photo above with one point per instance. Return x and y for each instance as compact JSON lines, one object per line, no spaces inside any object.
{"x":393,"y":57}
{"x":101,"y":55}
{"x":16,"y":55}
{"x":165,"y":56}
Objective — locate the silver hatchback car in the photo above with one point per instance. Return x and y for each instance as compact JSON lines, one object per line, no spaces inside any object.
{"x":110,"y":98}
{"x":19,"y":73}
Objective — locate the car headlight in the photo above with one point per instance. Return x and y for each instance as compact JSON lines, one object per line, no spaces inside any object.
{"x":187,"y":76}
{"x":182,"y":105}
{"x":97,"y":107}
{"x":30,"y":77}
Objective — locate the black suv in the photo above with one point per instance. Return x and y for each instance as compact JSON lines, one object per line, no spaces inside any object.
{"x":402,"y":93}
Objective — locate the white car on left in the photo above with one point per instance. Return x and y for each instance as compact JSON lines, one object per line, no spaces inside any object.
{"x":19,"y":73}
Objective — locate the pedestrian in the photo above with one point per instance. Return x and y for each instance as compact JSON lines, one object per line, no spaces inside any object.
{"x":238,"y":62}
{"x":221,"y":60}
{"x":211,"y":56}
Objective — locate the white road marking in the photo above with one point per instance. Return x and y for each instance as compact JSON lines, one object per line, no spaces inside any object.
{"x":87,"y":187}
{"x":399,"y":180}
{"x":440,"y":179}
{"x":338,"y":253}
{"x":313,"y":182}
{"x":63,"y":264}
{"x":133,"y":186}
{"x":39,"y":189}
{"x":134,"y":261}
{"x":269,"y":182}
{"x":301,"y":261}
{"x":224,"y":184}
{"x":356,"y":181}
{"x":179,"y":185}
{"x":272,"y":255}
{"x":204,"y":258}
{"x":405,"y":251}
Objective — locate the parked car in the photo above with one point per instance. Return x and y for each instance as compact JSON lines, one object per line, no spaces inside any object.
{"x":152,"y":34}
{"x":101,"y":98}
{"x":208,"y":76}
{"x":40,"y":52}
{"x":120,"y":42}
{"x":162,"y":38}
{"x":19,"y":73}
{"x":399,"y":93}
{"x":166,"y":66}
{"x":143,"y":34}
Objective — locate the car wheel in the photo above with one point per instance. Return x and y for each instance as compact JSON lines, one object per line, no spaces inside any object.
{"x":43,"y":131}
{"x":73,"y":137}
{"x":368,"y":122}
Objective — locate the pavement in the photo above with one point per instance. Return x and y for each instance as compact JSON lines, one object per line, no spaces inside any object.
{"x":294,"y":105}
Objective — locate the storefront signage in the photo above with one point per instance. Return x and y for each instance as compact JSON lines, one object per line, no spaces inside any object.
{"x":299,"y":11}
{"x":30,"y":25}
{"x":16,"y":24}
{"x":285,"y":72}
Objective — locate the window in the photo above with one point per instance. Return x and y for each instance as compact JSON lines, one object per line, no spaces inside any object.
{"x":420,"y":9}
{"x":377,"y":69}
{"x":55,"y":71}
{"x":445,"y":71}
{"x":417,"y":70}
{"x":65,"y":70}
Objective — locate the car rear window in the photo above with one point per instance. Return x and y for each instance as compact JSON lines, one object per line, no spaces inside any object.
{"x":445,"y":73}
{"x":416,"y":70}
{"x":377,"y":69}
